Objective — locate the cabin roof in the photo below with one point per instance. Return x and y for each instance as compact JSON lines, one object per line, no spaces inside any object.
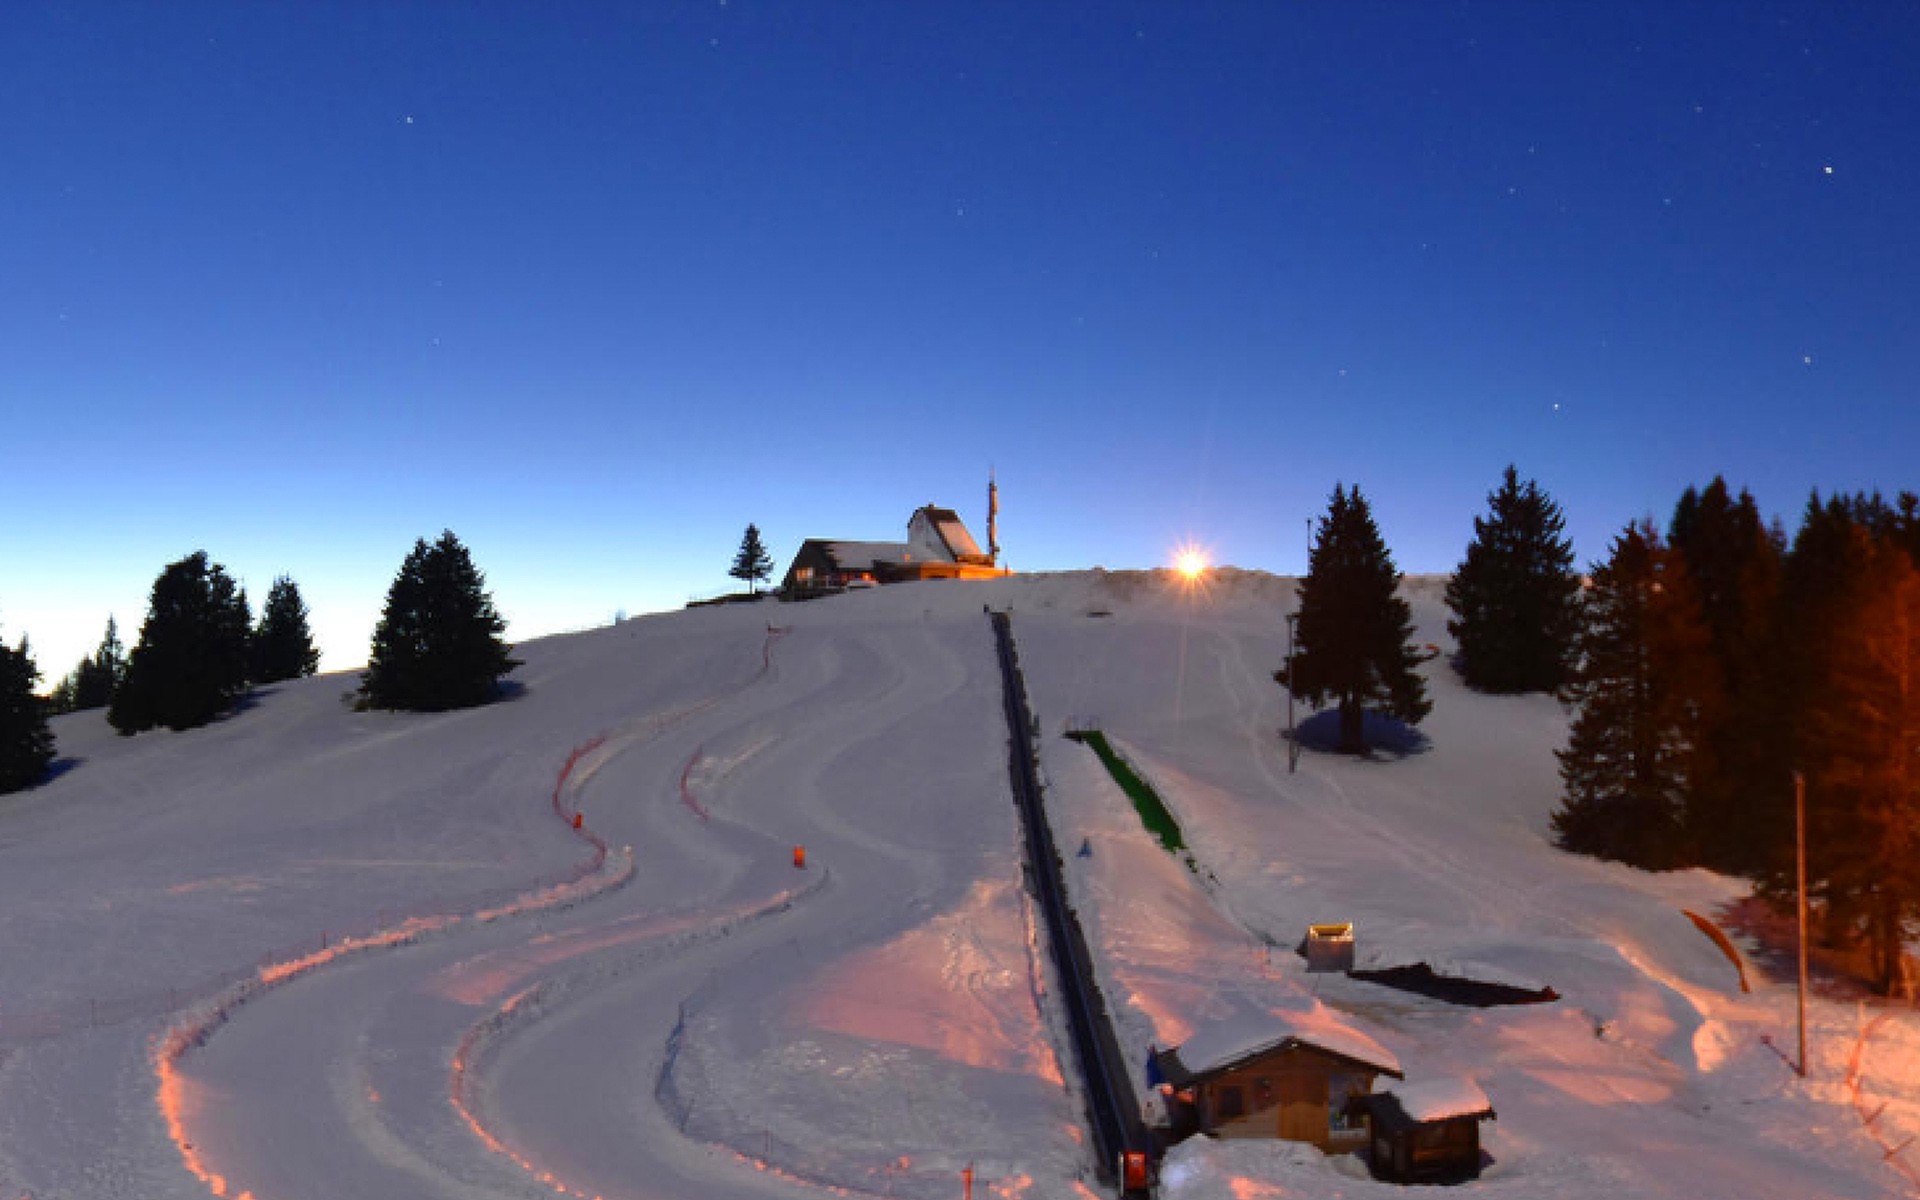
{"x":865,"y":554}
{"x":951,"y":531}
{"x":1404,"y":1105}
{"x":1224,"y":1045}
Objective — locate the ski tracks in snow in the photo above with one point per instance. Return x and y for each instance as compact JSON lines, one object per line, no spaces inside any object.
{"x":518,"y":1058}
{"x":361,"y":1107}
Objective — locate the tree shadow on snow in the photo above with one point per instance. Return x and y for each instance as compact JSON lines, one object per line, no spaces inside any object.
{"x":1386,"y":736}
{"x":57,"y":768}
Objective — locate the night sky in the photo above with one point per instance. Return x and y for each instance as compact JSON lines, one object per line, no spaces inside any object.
{"x":596,"y":285}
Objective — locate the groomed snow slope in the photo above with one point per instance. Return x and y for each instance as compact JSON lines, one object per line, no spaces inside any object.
{"x":715,"y":1022}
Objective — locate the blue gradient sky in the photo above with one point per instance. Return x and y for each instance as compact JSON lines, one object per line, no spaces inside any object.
{"x":595,"y":285}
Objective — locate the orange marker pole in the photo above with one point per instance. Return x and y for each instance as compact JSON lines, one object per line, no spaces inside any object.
{"x":577,"y":818}
{"x":800,"y":857}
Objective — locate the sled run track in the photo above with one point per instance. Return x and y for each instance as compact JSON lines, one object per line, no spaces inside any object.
{"x":697,"y":1030}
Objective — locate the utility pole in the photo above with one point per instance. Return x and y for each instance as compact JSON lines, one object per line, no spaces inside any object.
{"x":1293,"y":737}
{"x":1800,"y":872}
{"x":1293,"y":663}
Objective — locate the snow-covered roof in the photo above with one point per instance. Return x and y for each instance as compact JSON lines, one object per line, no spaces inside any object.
{"x":862,"y":554}
{"x":1225,"y":1044}
{"x":1437,"y":1099}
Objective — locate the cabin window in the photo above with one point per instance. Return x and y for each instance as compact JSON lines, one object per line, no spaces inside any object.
{"x":1342,"y":1087}
{"x":1233,"y":1103}
{"x":803,"y":574}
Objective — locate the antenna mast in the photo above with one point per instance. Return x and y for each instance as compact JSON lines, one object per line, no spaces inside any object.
{"x":993,"y":517}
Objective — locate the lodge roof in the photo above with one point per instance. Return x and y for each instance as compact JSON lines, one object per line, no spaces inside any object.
{"x":1225,"y":1045}
{"x":864,"y":554}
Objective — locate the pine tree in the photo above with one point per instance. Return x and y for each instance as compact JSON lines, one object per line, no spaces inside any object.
{"x":60,"y":699}
{"x":1643,"y":687}
{"x":1515,"y":597}
{"x":98,"y":675}
{"x":282,"y":644}
{"x":438,"y":645}
{"x":1862,"y":748}
{"x":752,"y":564}
{"x":1734,"y":562}
{"x":1906,"y":524}
{"x":26,"y":742}
{"x":191,"y":661}
{"x":1353,"y":638}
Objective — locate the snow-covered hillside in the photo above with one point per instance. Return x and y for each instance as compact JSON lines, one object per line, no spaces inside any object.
{"x":486,"y":1005}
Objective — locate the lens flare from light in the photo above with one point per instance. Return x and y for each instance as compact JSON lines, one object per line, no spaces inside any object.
{"x":1191,"y":562}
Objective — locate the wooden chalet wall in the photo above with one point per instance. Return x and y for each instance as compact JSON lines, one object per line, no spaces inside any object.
{"x":1286,"y":1095}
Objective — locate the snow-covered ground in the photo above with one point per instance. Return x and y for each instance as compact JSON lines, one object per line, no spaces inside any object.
{"x":481,"y":1004}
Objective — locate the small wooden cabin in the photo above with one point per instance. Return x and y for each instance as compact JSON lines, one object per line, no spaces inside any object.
{"x":1427,"y":1132}
{"x":1263,"y":1076}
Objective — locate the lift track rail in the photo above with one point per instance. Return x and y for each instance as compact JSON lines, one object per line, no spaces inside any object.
{"x":1113,"y":1111}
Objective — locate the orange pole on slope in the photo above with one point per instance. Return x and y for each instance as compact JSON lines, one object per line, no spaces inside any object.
{"x":800,"y":857}
{"x":577,"y":818}
{"x":966,"y":1177}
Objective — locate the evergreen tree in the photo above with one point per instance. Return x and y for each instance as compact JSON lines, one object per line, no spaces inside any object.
{"x":1734,"y":562}
{"x":1818,"y":580}
{"x":282,"y":644}
{"x":1906,"y":524}
{"x":1643,"y":687}
{"x":191,"y":661}
{"x":1862,"y":749}
{"x":1353,"y":638}
{"x":752,"y":564}
{"x":438,"y":644}
{"x":26,"y":743}
{"x":60,"y":699}
{"x":98,"y":675}
{"x":1515,"y":597}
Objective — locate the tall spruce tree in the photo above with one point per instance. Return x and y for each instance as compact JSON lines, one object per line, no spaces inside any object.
{"x":1734,"y":562}
{"x":1643,"y":687}
{"x":1353,"y":637}
{"x":99,"y":674}
{"x":191,"y":662}
{"x":752,"y":564}
{"x":26,"y":742}
{"x":282,"y":643}
{"x":1906,"y":524}
{"x":60,"y":699}
{"x":1861,"y":746}
{"x":1516,"y":597}
{"x":1818,"y":582}
{"x":438,"y":645}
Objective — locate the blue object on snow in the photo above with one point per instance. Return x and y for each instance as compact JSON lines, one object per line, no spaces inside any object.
{"x":1086,"y":847}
